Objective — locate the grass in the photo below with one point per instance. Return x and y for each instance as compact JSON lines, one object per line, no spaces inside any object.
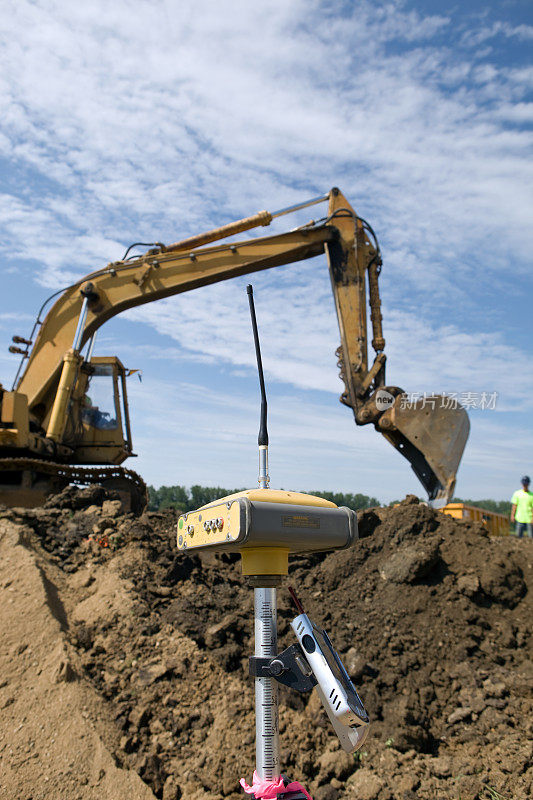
{"x":493,"y":794}
{"x":489,"y":794}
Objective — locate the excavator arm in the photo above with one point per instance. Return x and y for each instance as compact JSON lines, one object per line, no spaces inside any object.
{"x":432,"y":442}
{"x":431,"y":432}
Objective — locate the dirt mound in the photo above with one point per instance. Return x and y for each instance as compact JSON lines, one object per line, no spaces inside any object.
{"x":432,"y":618}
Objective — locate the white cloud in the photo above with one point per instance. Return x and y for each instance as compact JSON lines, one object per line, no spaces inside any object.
{"x":140,"y":121}
{"x":486,"y":32}
{"x":155,"y":120}
{"x":519,"y":112}
{"x":313,"y":444}
{"x":298,"y":325}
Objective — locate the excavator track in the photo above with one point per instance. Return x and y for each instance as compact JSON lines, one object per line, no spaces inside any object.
{"x":123,"y":480}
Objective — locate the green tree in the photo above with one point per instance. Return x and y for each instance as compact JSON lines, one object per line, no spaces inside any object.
{"x":201,"y":495}
{"x":183,"y":499}
{"x":355,"y":501}
{"x":168,"y":497}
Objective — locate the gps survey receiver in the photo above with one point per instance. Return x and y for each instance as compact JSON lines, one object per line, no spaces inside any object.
{"x":293,"y":521}
{"x":265,"y":526}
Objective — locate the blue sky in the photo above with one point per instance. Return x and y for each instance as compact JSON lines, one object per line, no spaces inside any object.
{"x":155,"y":120}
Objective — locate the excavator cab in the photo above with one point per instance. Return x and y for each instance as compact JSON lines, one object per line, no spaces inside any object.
{"x":100,"y":423}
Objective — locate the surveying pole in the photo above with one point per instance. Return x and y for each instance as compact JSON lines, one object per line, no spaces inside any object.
{"x":264,"y":525}
{"x":265,"y":610}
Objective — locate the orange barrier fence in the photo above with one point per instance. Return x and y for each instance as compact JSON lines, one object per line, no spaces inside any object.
{"x":497,"y":524}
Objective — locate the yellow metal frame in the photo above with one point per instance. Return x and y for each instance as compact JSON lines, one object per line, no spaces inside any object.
{"x":15,"y":430}
{"x":497,"y":524}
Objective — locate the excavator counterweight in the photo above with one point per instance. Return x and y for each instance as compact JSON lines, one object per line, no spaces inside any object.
{"x":52,"y":423}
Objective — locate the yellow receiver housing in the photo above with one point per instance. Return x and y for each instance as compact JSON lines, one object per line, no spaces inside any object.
{"x":257,"y":522}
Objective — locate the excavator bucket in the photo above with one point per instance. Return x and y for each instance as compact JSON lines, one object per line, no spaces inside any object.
{"x":432,"y":436}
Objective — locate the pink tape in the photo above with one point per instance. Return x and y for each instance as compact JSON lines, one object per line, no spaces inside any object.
{"x":269,"y":790}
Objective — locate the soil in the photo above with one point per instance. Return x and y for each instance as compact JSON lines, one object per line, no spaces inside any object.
{"x":124,"y":665}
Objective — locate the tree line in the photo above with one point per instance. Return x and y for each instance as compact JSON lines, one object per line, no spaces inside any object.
{"x":188,"y":499}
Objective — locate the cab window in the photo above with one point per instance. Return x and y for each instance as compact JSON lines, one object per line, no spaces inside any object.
{"x":98,"y":405}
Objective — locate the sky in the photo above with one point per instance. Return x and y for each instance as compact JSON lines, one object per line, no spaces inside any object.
{"x":152,"y":121}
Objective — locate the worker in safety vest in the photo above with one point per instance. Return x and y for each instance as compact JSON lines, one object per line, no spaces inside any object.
{"x":522,"y":509}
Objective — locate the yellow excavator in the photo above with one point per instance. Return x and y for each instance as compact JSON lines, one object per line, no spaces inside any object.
{"x":66,"y":418}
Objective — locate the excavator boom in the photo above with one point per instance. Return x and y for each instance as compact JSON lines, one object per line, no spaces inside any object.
{"x":55,"y":383}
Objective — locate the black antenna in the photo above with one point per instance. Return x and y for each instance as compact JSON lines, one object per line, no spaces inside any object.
{"x":262,"y":439}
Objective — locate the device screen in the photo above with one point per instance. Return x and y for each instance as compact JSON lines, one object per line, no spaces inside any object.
{"x":336,"y":666}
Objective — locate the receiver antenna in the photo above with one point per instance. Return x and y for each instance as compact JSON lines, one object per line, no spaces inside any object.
{"x":295,"y":600}
{"x":262,"y":439}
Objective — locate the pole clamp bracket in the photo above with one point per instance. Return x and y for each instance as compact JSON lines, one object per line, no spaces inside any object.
{"x":290,"y":668}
